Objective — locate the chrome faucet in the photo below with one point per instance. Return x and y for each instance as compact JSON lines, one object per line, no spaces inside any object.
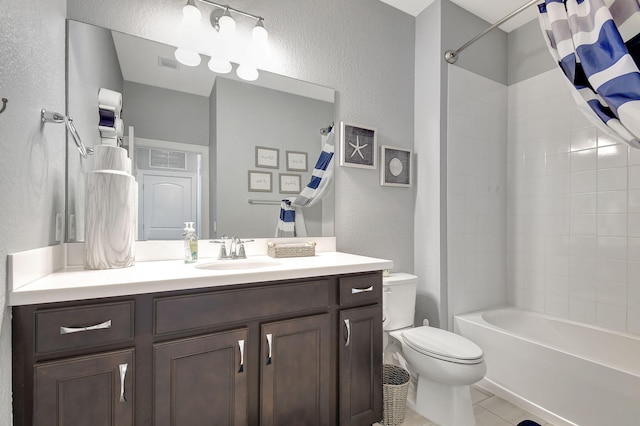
{"x":236,"y":248}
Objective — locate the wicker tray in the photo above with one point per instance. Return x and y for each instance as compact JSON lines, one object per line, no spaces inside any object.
{"x":395,"y":385}
{"x":291,"y":249}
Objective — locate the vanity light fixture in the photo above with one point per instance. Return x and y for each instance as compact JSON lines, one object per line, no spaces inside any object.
{"x":188,"y":36}
{"x":220,"y":40}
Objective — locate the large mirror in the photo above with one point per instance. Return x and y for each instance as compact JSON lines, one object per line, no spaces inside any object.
{"x":211,"y":149}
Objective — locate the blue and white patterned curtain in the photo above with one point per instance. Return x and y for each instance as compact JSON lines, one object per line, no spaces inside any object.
{"x":597,"y":45}
{"x":291,"y":221}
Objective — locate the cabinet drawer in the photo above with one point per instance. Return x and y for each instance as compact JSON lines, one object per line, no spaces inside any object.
{"x":361,"y":289}
{"x":83,"y":326}
{"x":182,"y":313}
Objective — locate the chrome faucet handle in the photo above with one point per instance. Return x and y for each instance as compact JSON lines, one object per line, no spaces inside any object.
{"x":223,"y":252}
{"x":241,"y":252}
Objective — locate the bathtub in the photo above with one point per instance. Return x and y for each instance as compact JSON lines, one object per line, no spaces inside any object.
{"x":566,"y":372}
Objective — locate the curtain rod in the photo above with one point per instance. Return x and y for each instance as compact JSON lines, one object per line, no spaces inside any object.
{"x":451,"y":56}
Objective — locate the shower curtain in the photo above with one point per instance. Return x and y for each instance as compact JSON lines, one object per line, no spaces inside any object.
{"x":291,"y":221}
{"x":597,"y":45}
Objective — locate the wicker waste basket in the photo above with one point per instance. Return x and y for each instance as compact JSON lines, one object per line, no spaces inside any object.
{"x":395,"y":385}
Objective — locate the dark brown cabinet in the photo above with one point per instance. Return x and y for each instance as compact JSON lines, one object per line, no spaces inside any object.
{"x":93,"y":390}
{"x":295,"y":372}
{"x":201,"y":380}
{"x":274,"y":353}
{"x":361,"y":366}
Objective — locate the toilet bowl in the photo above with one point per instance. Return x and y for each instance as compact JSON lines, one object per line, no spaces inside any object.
{"x":446,"y":363}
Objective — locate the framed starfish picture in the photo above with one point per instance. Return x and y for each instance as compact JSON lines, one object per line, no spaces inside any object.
{"x":358,"y":146}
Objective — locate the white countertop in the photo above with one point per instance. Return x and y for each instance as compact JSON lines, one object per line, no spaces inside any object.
{"x":76,"y":283}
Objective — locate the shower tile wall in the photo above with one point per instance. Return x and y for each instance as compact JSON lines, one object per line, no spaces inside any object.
{"x":573,"y":211}
{"x":476,"y":192}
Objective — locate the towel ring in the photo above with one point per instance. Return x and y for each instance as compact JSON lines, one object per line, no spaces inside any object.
{"x":55,"y":117}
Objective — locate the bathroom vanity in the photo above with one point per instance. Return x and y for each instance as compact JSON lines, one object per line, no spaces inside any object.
{"x":225,"y":346}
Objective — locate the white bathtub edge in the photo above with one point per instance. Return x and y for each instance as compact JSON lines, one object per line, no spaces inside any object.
{"x":517,"y":400}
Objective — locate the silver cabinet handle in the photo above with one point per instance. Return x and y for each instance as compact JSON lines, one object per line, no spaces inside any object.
{"x":361,"y":290}
{"x":69,"y":330}
{"x":241,"y":346}
{"x":123,"y":373}
{"x":269,"y":341}
{"x":348,"y":324}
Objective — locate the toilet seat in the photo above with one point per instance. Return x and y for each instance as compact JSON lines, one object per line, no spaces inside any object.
{"x":443,"y":345}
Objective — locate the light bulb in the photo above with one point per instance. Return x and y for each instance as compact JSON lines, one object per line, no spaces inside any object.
{"x":187,"y":57}
{"x":220,"y":66}
{"x":227,"y":24}
{"x":259,"y":33}
{"x":247,"y":72}
{"x":188,"y":35}
{"x":190,"y":15}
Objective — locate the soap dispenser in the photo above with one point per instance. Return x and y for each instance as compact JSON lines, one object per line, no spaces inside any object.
{"x":190,"y":243}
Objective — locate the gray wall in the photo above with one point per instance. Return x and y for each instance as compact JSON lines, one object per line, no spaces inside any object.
{"x":440,"y":27}
{"x":486,"y":57}
{"x":361,"y":48}
{"x":527,"y":53}
{"x":32,"y":158}
{"x":248,"y":116}
{"x":93,"y":64}
{"x":168,"y":115}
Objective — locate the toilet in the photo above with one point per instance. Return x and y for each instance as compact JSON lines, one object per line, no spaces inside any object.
{"x":446,"y":364}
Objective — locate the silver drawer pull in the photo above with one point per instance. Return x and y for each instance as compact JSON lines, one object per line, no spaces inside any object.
{"x":361,"y":290}
{"x":123,"y":373}
{"x":348,"y":324}
{"x":241,"y":346}
{"x":269,"y":341}
{"x":69,"y":330}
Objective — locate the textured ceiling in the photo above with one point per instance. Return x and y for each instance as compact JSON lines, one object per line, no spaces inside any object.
{"x":489,"y":10}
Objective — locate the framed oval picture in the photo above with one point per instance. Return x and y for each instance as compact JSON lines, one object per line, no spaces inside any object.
{"x":396,"y":164}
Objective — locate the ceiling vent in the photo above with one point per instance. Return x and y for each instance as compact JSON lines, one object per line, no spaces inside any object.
{"x":168,"y":63}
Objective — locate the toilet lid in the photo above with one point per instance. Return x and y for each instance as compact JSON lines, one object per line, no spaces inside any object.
{"x":443,"y":344}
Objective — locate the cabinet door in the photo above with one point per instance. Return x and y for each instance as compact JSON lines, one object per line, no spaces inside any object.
{"x":201,"y":380}
{"x":93,"y":390}
{"x":360,"y":362}
{"x":295,"y":372}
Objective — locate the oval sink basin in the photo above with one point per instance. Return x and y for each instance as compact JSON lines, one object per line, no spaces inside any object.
{"x":226,"y":265}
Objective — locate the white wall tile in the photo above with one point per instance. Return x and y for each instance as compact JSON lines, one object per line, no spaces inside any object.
{"x":611,"y":316}
{"x":612,"y":156}
{"x":584,"y":246}
{"x":584,"y":139}
{"x":634,"y":177}
{"x":584,"y":182}
{"x":612,"y":225}
{"x":582,"y":161}
{"x":633,"y":321}
{"x":557,"y":305}
{"x":633,"y":273}
{"x":582,"y":310}
{"x":612,"y":248}
{"x":573,"y":216}
{"x":612,"y":271}
{"x":583,"y":203}
{"x":612,"y":179}
{"x":634,"y":200}
{"x":634,"y":156}
{"x":611,"y":294}
{"x":612,"y":202}
{"x":633,"y":224}
{"x":583,"y":224}
{"x":634,"y":249}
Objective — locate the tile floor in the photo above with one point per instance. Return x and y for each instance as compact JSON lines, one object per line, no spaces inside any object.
{"x":490,"y":410}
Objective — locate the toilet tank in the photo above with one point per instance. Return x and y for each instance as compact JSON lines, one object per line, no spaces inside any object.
{"x":398,"y":300}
